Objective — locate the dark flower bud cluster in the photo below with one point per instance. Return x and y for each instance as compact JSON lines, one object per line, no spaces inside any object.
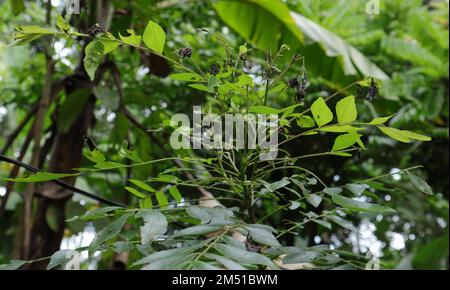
{"x":367,"y":92}
{"x":185,"y":52}
{"x":372,"y":92}
{"x":215,"y":69}
{"x":246,"y":63}
{"x":299,"y":86}
{"x":94,"y":30}
{"x":293,"y":83}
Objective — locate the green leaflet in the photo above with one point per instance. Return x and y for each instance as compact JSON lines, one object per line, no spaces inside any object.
{"x":357,"y":205}
{"x":321,"y":112}
{"x":188,"y":77}
{"x":142,"y":185}
{"x":132,"y":39}
{"x":346,"y":140}
{"x":135,"y":192}
{"x":155,"y":224}
{"x":40,"y":177}
{"x":154,"y":37}
{"x":13,"y":265}
{"x":346,"y":110}
{"x":419,"y":183}
{"x":264,"y":110}
{"x":403,"y":135}
{"x":94,"y":52}
{"x":244,"y":256}
{"x":109,"y":232}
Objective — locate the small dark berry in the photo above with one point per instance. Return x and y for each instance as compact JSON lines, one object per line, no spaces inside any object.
{"x":300,"y":94}
{"x":304,"y":79}
{"x":185,"y":52}
{"x":292,"y":83}
{"x":373,"y":91}
{"x":94,"y":30}
{"x":215,"y":69}
{"x":360,"y":92}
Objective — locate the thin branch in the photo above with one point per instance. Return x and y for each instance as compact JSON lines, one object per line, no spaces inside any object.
{"x":60,"y":182}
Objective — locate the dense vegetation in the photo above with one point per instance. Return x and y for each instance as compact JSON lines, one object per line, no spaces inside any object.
{"x":88,"y":175}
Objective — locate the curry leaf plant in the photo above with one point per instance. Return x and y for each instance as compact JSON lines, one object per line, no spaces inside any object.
{"x":228,"y":225}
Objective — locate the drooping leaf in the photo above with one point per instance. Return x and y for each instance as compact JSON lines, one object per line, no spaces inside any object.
{"x":314,"y":199}
{"x":355,"y":188}
{"x":13,"y":265}
{"x":403,"y":135}
{"x":343,"y":223}
{"x":109,"y":232}
{"x":162,"y":199}
{"x":266,"y":24}
{"x":165,"y":254}
{"x":175,"y":193}
{"x":300,"y":257}
{"x":269,"y":24}
{"x":394,"y":134}
{"x":94,"y":52}
{"x":197,"y":230}
{"x":228,"y":263}
{"x":146,"y":203}
{"x":244,"y":256}
{"x":142,"y":185}
{"x":357,"y":205}
{"x":60,"y":257}
{"x":323,"y":223}
{"x":419,"y":183}
{"x":135,"y":192}
{"x":341,"y":57}
{"x":415,"y":136}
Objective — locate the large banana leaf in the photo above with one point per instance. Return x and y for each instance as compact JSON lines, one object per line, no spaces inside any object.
{"x":264,"y":23}
{"x":268,"y":23}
